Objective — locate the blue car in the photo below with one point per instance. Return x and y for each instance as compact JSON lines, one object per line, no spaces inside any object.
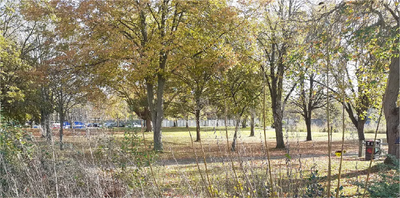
{"x":78,"y":125}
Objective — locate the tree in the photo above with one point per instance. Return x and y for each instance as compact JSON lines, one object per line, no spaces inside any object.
{"x":201,"y":64}
{"x":21,"y":43}
{"x":241,"y":85}
{"x":311,"y":96}
{"x":391,"y":99}
{"x":149,"y":31}
{"x":117,"y":109}
{"x":14,"y":81}
{"x":70,"y":84}
{"x":383,"y":46}
{"x":275,"y":40}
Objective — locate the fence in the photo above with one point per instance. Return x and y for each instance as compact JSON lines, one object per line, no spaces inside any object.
{"x":204,"y":123}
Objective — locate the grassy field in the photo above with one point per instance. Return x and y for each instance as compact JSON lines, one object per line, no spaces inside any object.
{"x":120,"y":162}
{"x":292,"y":167}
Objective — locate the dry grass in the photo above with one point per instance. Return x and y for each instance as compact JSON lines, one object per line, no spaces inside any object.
{"x":97,"y":164}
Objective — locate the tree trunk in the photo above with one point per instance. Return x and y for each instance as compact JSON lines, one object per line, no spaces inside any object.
{"x":197,"y":113}
{"x":252,"y":123}
{"x":148,"y":124}
{"x":360,"y":128}
{"x":43,"y":123}
{"x":278,"y":114}
{"x":45,"y":113}
{"x":61,"y":127}
{"x":308,"y":125}
{"x":158,"y":146}
{"x":390,"y":108}
{"x":244,"y":122}
{"x":156,"y":109}
{"x":48,"y":129}
{"x":187,"y":122}
{"x":235,"y":135}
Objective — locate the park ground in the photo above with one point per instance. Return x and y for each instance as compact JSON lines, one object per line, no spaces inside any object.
{"x":187,"y":168}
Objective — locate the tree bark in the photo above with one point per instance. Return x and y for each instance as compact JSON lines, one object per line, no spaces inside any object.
{"x":48,"y":129}
{"x":153,"y":111}
{"x":62,"y":118}
{"x":360,"y":128}
{"x":308,"y":126}
{"x":45,"y":113}
{"x":197,"y":113}
{"x":158,"y":146}
{"x":148,"y":124}
{"x":45,"y":125}
{"x":278,"y":115}
{"x":244,"y":122}
{"x":252,"y":123}
{"x":391,"y":110}
{"x":235,"y":135}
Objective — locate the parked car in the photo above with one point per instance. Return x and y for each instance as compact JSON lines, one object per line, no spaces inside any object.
{"x":55,"y":125}
{"x":67,"y":125}
{"x":110,"y":124}
{"x":135,"y":125}
{"x":78,"y":125}
{"x":93,"y":125}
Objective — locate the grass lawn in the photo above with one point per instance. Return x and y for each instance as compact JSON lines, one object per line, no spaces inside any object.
{"x":177,"y":170}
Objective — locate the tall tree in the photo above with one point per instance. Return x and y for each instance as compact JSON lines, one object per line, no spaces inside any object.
{"x":149,"y":31}
{"x":277,"y":38}
{"x":241,"y":85}
{"x":378,"y":37}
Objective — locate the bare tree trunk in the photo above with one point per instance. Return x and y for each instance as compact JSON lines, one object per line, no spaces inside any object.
{"x":390,"y":108}
{"x":158,"y":146}
{"x":308,"y":126}
{"x":48,"y":129}
{"x":360,"y":128}
{"x":252,"y":123}
{"x":278,"y":115}
{"x":235,"y":135}
{"x":61,"y":127}
{"x":148,"y":124}
{"x":244,"y":122}
{"x":43,"y":123}
{"x":45,"y":113}
{"x":156,"y":109}
{"x":197,"y":113}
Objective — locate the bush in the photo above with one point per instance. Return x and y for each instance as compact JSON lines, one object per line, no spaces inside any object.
{"x":15,"y":151}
